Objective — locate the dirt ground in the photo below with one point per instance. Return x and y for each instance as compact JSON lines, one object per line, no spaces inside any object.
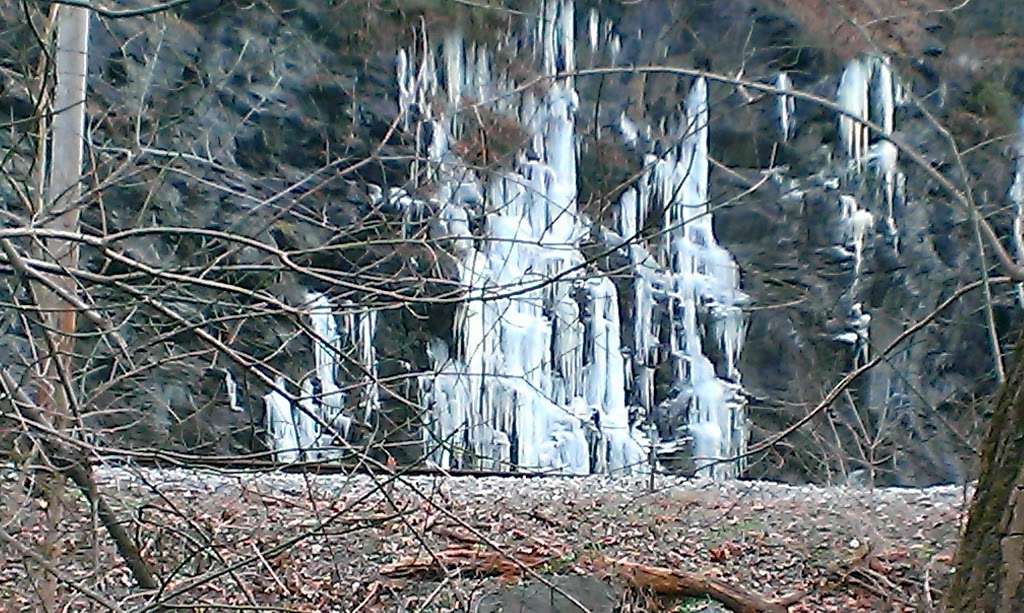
{"x":288,"y":542}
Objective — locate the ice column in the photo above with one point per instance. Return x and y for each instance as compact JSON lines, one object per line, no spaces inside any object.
{"x":232,"y":390}
{"x":883,"y":153}
{"x":358,"y":328}
{"x":853,"y":98}
{"x":536,"y":375}
{"x":706,"y":278}
{"x":786,"y":106}
{"x":280,"y":423}
{"x":312,"y":424}
{"x":1017,"y":197}
{"x":692,"y":284}
{"x":868,"y":91}
{"x":326,"y":345}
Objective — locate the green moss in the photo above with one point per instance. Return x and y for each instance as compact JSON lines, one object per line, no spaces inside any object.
{"x":692,"y":604}
{"x":990,"y":100}
{"x":734,"y":532}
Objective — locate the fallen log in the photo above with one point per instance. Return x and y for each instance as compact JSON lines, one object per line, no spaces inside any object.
{"x":472,"y":560}
{"x":672,"y":582}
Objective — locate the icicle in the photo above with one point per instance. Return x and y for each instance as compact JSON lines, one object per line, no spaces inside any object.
{"x":307,"y":426}
{"x":605,"y":380}
{"x":593,"y":21}
{"x":614,"y":48}
{"x":232,"y":389}
{"x":454,"y":63}
{"x":359,"y":327}
{"x":1017,"y":197}
{"x":883,"y":94}
{"x":857,"y":223}
{"x":628,"y":130}
{"x":325,"y":347}
{"x":853,"y":97}
{"x":786,"y":106}
{"x":566,"y":36}
{"x":405,"y":96}
{"x":280,"y":423}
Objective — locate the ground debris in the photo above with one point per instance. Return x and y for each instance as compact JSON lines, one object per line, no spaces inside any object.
{"x":344,"y":543}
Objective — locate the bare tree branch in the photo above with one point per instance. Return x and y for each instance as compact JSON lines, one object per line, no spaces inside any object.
{"x":119,"y":14}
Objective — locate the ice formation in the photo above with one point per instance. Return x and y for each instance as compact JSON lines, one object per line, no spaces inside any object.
{"x":867,"y":92}
{"x":786,"y":106}
{"x":552,"y":363}
{"x":280,"y":423}
{"x":539,"y":375}
{"x":853,"y":98}
{"x":694,"y":284}
{"x":1017,"y":197}
{"x":309,"y":425}
{"x":232,"y":391}
{"x":536,"y":378}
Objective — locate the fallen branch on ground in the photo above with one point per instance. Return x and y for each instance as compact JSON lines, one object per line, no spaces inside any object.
{"x":671,"y":582}
{"x":473,"y":560}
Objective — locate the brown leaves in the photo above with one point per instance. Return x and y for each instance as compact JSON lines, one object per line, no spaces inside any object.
{"x":373,"y":554}
{"x":724,"y":552}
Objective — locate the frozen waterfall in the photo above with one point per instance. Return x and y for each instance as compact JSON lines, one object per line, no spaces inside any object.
{"x":692,"y":284}
{"x":539,"y":375}
{"x":555,"y":361}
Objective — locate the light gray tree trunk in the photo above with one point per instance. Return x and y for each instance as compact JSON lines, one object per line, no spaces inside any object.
{"x":68,"y":126}
{"x":61,"y":212}
{"x":62,"y":207}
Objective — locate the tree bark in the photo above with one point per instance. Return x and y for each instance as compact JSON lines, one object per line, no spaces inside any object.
{"x":990,"y":559}
{"x":63,"y":208}
{"x":61,"y":211}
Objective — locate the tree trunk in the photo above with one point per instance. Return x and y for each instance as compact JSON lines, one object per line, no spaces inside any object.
{"x":61,"y":212}
{"x":64,"y":190}
{"x":990,"y":561}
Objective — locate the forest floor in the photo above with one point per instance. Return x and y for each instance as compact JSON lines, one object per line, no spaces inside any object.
{"x":297,"y":542}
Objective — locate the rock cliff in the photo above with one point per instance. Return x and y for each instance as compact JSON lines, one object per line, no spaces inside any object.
{"x":415,"y":230}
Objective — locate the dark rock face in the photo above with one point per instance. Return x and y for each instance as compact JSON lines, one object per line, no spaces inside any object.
{"x":272,"y":122}
{"x":915,"y":418}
